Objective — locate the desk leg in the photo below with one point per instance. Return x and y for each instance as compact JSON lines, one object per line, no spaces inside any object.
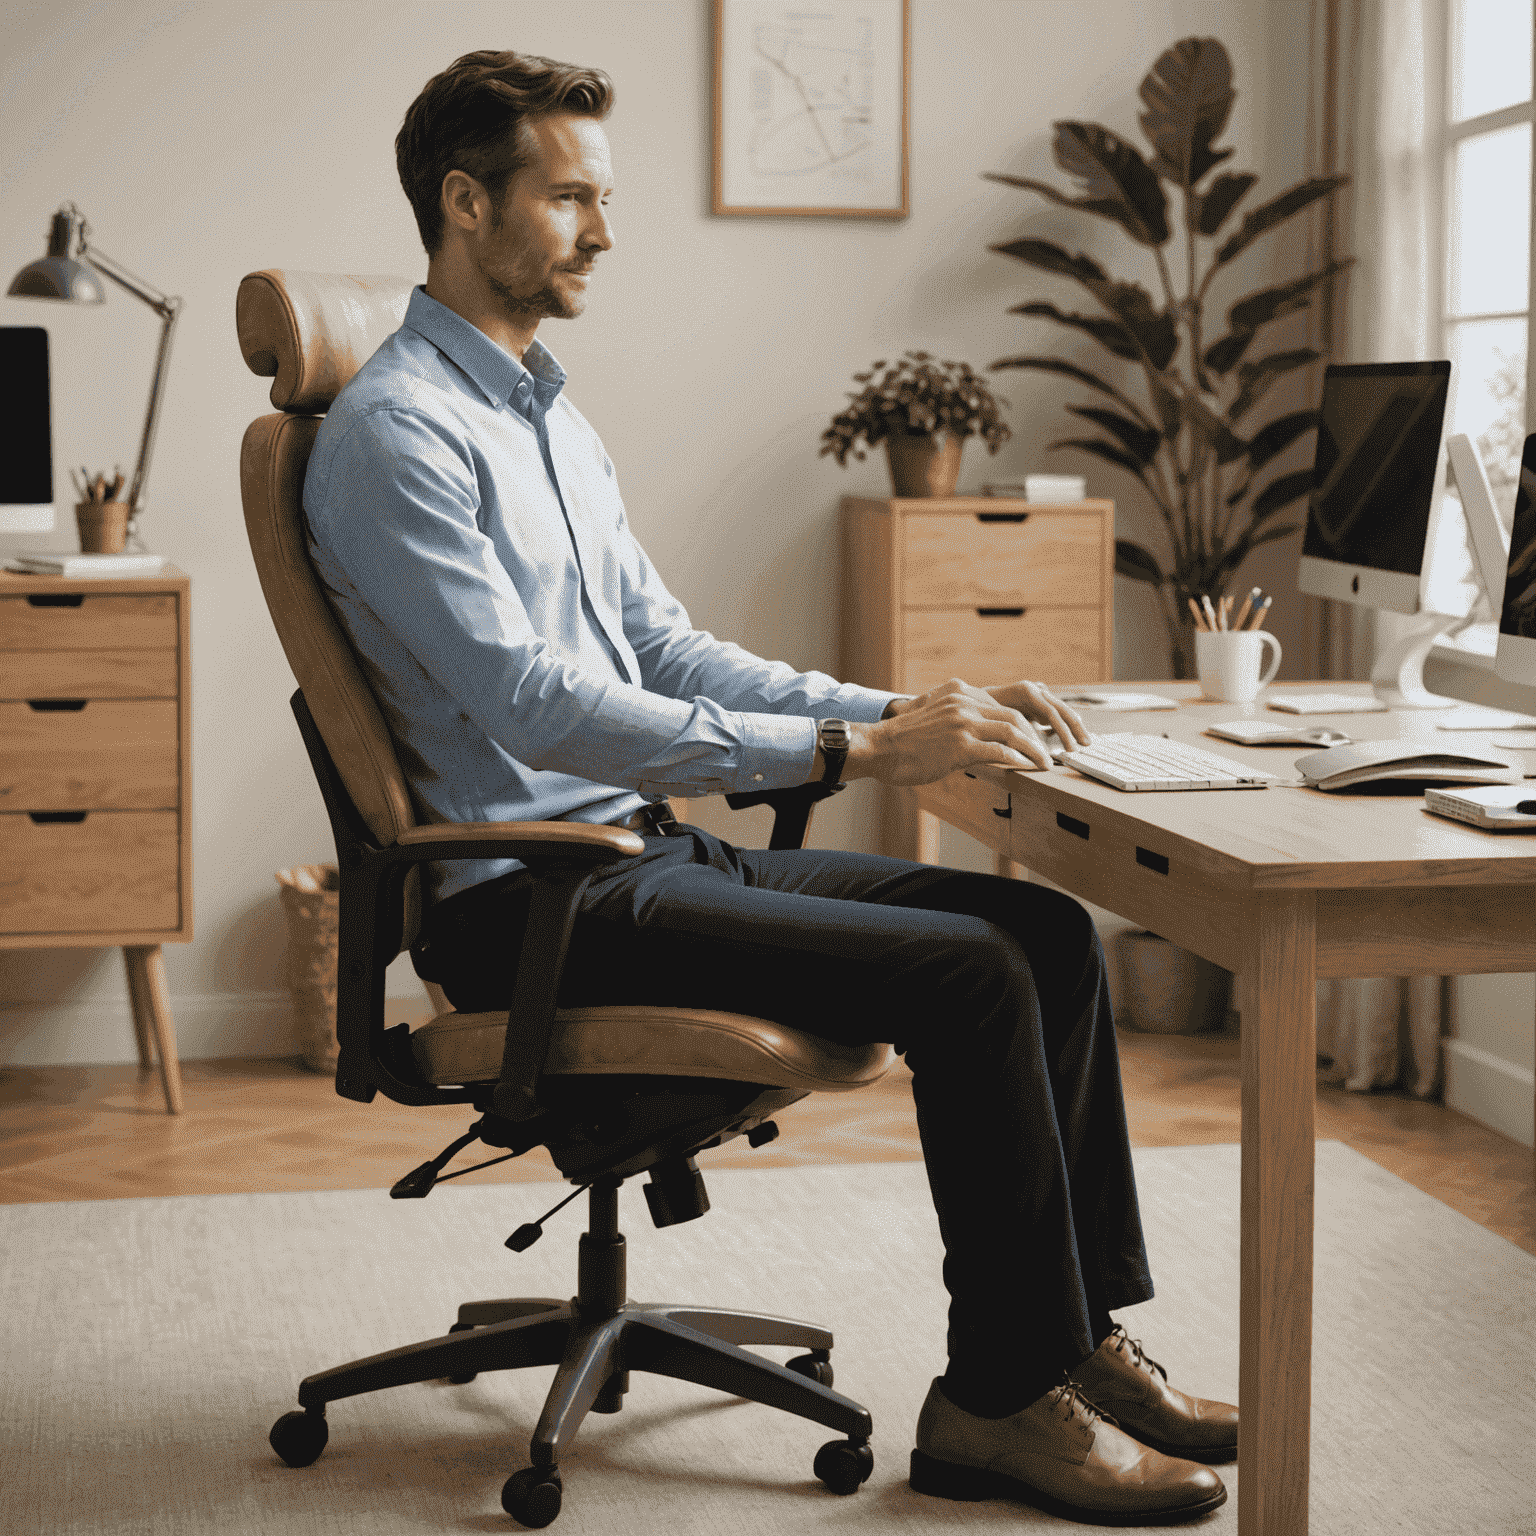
{"x":907,"y":831}
{"x":152,"y":1015}
{"x":1278,"y":999}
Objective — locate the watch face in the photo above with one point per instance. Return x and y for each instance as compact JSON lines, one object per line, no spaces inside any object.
{"x":834,"y":733}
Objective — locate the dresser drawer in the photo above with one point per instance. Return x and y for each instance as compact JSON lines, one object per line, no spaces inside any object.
{"x":113,"y":871}
{"x":108,"y":755}
{"x":99,"y":621}
{"x":88,"y":675}
{"x":956,"y":560}
{"x":1049,"y":645}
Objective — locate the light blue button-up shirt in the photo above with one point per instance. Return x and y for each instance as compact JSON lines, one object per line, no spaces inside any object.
{"x":467,"y":527}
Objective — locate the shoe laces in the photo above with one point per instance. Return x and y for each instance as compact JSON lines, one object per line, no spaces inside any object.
{"x":1139,"y":1356}
{"x":1071,"y":1396}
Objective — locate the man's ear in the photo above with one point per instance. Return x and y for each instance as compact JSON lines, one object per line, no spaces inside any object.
{"x":465,"y":202}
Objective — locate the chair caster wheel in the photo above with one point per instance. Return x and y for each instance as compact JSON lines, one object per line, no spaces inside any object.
{"x":809,"y":1365}
{"x":843,"y":1465}
{"x":459,"y":1381}
{"x":532,"y":1496}
{"x":299,"y":1437}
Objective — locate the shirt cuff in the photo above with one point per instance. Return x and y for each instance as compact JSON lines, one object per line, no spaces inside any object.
{"x":777,"y":752}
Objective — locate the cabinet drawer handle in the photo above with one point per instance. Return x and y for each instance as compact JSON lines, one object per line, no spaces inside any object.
{"x":999,"y":613}
{"x":1073,"y":825}
{"x":1001,"y":517}
{"x":40,"y":818}
{"x":55,"y":599}
{"x":43,"y":705}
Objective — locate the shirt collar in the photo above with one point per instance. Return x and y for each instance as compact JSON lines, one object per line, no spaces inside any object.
{"x":498,"y":374}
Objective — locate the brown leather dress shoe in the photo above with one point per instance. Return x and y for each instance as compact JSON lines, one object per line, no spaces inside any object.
{"x":1059,"y":1454}
{"x":1123,"y":1380}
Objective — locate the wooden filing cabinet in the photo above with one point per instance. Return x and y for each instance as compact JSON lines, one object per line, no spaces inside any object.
{"x":977,"y":587}
{"x":95,"y":761}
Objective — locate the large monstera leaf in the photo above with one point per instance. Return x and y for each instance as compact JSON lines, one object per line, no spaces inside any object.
{"x":1188,"y":95}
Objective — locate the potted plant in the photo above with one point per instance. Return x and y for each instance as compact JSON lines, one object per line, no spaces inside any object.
{"x":923,"y":412}
{"x":1194,"y":447}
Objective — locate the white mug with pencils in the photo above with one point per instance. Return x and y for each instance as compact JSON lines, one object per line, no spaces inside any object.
{"x":1229,"y":651}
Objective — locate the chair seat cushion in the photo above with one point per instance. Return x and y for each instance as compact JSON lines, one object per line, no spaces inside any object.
{"x":676,"y":1042}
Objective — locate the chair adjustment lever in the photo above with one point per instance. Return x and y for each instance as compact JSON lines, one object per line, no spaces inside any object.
{"x":531,"y":1231}
{"x":417,"y":1184}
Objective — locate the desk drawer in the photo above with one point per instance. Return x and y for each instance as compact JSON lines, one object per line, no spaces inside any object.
{"x":111,"y":871}
{"x":99,"y":621}
{"x":110,"y":754}
{"x":88,"y":675}
{"x":954,"y":560}
{"x":1049,"y":645}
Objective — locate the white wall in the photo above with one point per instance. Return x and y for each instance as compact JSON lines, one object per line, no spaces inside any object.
{"x":206,"y":140}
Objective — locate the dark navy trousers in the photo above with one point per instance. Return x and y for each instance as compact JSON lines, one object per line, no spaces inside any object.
{"x":994,"y":991}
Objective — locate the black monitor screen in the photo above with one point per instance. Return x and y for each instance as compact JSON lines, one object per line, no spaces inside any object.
{"x":1378,"y":445}
{"x":26,"y":437}
{"x":1519,"y":615}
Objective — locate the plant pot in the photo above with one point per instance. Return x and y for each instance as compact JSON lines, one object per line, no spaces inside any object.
{"x":1165,"y":990}
{"x":103,"y":526}
{"x":923,"y":465}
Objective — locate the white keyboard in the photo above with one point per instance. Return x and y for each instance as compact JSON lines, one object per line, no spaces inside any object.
{"x":1131,"y":761}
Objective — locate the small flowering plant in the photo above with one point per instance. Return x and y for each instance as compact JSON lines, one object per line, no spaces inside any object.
{"x":915,"y":397}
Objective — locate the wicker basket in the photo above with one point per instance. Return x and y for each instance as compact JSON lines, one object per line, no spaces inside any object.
{"x":311,"y":902}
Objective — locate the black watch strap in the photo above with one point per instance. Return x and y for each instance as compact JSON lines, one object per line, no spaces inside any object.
{"x":834,"y":739}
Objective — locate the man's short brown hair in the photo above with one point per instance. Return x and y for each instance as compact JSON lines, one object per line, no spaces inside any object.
{"x":469,"y":119}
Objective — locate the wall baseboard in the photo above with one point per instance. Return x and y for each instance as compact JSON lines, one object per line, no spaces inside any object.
{"x":100,"y":1033}
{"x":1490,"y":1090}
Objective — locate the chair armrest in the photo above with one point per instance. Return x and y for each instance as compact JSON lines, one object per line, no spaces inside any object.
{"x":793,"y":808}
{"x":578,"y":841}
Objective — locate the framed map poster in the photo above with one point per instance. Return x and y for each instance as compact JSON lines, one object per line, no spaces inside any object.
{"x":811,"y":108}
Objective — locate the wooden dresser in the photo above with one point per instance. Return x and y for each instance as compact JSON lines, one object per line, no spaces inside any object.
{"x":977,"y":587}
{"x":95,"y":760}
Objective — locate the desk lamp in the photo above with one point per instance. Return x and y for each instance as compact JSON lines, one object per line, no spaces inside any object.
{"x":58,"y":275}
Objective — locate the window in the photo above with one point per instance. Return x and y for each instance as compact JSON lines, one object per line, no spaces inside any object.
{"x":1485,"y":127}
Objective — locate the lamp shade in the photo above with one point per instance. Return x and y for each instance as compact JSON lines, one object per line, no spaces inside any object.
{"x":58,"y":277}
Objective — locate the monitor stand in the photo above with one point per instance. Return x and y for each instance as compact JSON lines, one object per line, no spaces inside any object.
{"x":1398,"y":676}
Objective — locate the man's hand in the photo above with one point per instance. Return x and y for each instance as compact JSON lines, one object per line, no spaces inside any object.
{"x":1036,"y":702}
{"x":956,"y":726}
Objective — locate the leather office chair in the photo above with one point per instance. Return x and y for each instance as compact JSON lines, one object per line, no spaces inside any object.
{"x":611,"y":1092}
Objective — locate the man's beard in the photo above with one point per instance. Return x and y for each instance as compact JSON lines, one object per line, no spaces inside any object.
{"x":546,"y":303}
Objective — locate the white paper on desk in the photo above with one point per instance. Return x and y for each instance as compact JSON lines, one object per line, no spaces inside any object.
{"x":1119,"y":700}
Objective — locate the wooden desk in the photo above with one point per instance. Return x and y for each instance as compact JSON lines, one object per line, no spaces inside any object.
{"x":95,"y":771}
{"x":1281,"y":886}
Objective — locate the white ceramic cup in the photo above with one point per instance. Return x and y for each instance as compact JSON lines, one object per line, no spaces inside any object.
{"x":1228,"y":662}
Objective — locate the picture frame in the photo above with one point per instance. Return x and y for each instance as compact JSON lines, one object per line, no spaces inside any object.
{"x":811,"y":109}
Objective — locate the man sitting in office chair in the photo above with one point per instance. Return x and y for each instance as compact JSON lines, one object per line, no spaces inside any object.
{"x":467,"y":525}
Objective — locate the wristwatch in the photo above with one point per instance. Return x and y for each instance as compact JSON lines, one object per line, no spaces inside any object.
{"x":834,"y":740}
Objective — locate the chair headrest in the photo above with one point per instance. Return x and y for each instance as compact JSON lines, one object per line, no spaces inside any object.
{"x":314,"y":330}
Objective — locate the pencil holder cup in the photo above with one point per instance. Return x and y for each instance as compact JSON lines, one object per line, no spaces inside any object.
{"x":1228,"y":661}
{"x":103,"y":526}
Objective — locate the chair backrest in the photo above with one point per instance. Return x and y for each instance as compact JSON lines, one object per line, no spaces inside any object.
{"x":313,"y":331}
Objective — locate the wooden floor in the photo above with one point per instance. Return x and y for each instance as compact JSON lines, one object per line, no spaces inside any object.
{"x":101,"y":1133}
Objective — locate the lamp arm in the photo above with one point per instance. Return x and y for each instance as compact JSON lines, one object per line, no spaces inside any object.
{"x":168,"y":309}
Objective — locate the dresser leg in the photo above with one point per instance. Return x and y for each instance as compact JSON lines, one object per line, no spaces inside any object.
{"x":1004,"y":866}
{"x":140,"y":1008}
{"x":152,"y":1014}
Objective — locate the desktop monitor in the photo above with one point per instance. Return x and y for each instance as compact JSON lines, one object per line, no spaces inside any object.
{"x":1373,"y":483}
{"x":1516,"y":658}
{"x":26,"y":434}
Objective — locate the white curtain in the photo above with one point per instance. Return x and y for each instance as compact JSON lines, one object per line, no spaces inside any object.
{"x":1372,"y":65}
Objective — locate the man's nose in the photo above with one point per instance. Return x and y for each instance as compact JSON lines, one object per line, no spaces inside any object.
{"x":598,"y":232}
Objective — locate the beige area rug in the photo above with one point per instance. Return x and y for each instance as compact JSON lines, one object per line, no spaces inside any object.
{"x":149,"y":1344}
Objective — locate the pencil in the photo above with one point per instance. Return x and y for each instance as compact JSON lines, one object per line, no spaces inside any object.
{"x":1261,"y":613}
{"x":1242,"y":613}
{"x":1210,"y":613}
{"x":1199,"y":617}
